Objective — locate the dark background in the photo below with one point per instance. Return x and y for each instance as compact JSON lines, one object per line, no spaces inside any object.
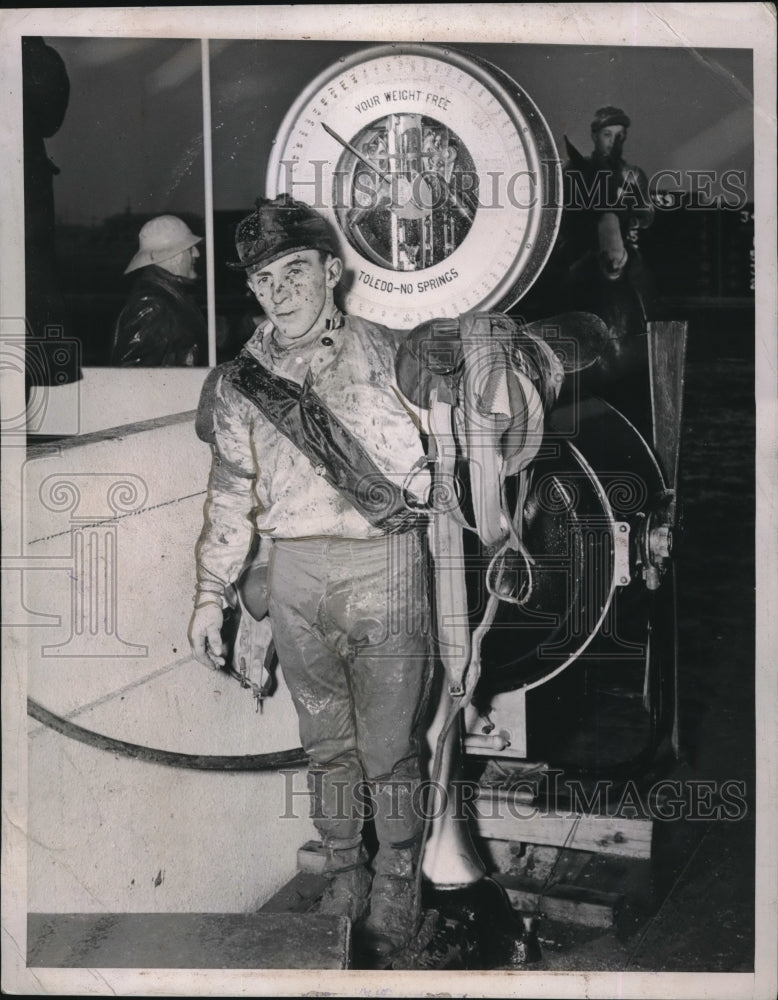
{"x":130,"y":147}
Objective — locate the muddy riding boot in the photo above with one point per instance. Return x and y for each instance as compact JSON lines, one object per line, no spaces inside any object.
{"x":348,"y":881}
{"x":394,"y":908}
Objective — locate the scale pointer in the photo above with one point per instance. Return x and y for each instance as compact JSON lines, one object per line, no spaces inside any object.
{"x":355,"y":152}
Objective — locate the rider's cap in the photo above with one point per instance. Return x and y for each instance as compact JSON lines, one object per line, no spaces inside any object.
{"x":279,"y":227}
{"x":603,"y":117}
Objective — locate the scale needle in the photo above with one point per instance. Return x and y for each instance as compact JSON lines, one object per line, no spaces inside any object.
{"x":352,"y":149}
{"x":388,"y":177}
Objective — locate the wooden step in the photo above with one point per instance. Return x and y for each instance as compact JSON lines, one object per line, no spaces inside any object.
{"x":188,"y":941}
{"x":563,"y":901}
{"x":300,"y":894}
{"x":499,"y":815}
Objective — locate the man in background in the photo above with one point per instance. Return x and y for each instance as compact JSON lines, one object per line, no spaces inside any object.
{"x":607,"y":200}
{"x":161,"y":323}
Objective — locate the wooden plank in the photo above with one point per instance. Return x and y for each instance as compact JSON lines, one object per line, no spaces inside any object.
{"x":188,"y":941}
{"x":498,"y":818}
{"x":562,"y":901}
{"x":630,"y":838}
{"x":666,"y":358}
{"x":504,"y":856}
{"x":299,"y":894}
{"x":495,"y":821}
{"x":570,"y":865}
{"x":532,"y":860}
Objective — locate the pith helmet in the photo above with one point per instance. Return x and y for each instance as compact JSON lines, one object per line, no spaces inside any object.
{"x":278,"y":227}
{"x":160,"y":239}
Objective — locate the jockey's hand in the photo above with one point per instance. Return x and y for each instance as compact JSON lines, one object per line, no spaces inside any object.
{"x":205,"y":635}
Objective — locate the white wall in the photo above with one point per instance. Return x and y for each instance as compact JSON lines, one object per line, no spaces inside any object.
{"x":112,"y":397}
{"x":101,"y":828}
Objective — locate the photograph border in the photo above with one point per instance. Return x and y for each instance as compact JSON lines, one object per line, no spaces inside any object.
{"x":744,"y":25}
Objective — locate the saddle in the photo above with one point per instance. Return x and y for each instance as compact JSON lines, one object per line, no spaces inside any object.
{"x":486,"y":385}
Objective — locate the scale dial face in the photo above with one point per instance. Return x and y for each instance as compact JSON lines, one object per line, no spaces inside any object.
{"x":438,"y":174}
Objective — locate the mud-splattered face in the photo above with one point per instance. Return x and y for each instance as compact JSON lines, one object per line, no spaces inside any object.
{"x":296,"y":291}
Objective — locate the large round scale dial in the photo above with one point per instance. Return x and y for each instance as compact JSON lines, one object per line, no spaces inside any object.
{"x":438,"y":173}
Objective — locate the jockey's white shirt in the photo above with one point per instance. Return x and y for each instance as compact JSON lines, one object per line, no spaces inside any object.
{"x":260,"y":479}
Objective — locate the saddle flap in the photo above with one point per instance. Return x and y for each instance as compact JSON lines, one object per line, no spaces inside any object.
{"x":503,"y":421}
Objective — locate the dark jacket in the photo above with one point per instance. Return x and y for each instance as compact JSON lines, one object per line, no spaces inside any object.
{"x":161,"y":323}
{"x":51,"y":358}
